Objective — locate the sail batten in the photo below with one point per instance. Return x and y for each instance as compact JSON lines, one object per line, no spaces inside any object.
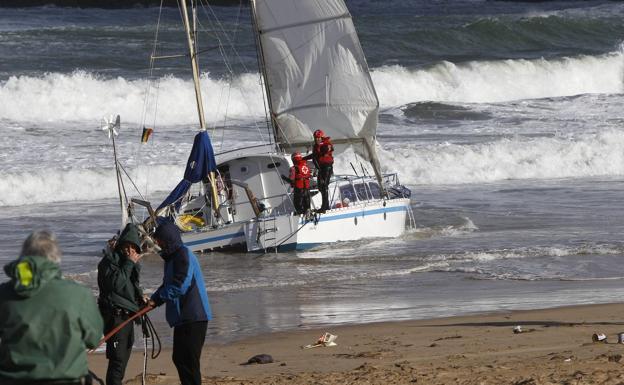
{"x":316,"y":74}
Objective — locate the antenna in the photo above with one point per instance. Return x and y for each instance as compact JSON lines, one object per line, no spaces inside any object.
{"x":112,"y":127}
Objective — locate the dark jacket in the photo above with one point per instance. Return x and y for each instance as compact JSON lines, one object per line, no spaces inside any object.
{"x":46,"y":323}
{"x":118,"y":277}
{"x":183,"y":287}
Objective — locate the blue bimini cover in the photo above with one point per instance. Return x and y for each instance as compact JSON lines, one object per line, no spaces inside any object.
{"x":201,"y":161}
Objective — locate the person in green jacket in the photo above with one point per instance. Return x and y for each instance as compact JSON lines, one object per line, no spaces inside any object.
{"x":120,"y":297}
{"x":46,"y":322}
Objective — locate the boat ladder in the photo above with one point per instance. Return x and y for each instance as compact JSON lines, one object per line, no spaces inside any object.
{"x":411,"y":218}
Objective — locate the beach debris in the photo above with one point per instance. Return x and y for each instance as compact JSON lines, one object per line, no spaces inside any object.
{"x":326,"y":339}
{"x":518,"y":329}
{"x":620,"y":338}
{"x":615,"y":358}
{"x":527,"y":381}
{"x":448,"y":338}
{"x":259,"y":359}
{"x":599,"y":337}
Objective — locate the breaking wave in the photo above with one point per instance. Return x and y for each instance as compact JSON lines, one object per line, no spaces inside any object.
{"x":594,"y":155}
{"x":500,"y":81}
{"x":79,"y":96}
{"x":45,"y":186}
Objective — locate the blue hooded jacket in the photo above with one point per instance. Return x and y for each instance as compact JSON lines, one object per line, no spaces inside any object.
{"x":183,"y":288}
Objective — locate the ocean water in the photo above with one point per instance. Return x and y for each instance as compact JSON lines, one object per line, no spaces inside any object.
{"x":505,"y":120}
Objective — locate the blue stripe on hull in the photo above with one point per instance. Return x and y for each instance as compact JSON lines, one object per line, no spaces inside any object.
{"x":213,"y":239}
{"x":361,"y":213}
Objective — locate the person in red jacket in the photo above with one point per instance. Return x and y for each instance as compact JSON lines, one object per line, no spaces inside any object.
{"x":323,"y":156}
{"x":300,"y":182}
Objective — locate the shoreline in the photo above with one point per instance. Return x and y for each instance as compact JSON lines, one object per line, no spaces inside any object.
{"x":555,"y":346}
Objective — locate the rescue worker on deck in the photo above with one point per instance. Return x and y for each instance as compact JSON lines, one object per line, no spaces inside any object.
{"x":300,"y":182}
{"x":120,"y":298}
{"x":323,"y":157}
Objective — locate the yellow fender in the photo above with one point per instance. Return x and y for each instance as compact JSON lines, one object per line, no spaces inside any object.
{"x":184,"y":222}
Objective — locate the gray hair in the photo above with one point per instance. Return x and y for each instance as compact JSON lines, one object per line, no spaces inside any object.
{"x":42,"y":243}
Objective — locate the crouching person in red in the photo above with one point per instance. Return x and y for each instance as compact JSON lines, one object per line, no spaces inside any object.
{"x":300,"y":182}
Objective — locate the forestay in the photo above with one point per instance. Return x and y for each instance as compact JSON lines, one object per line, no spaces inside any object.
{"x":316,"y":74}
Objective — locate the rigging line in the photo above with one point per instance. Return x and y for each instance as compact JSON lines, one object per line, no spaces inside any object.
{"x":151,"y":63}
{"x":156,"y":98}
{"x":147,"y":92}
{"x":131,"y":181}
{"x":218,"y":26}
{"x":232,"y":46}
{"x":265,"y":102}
{"x":230,"y":42}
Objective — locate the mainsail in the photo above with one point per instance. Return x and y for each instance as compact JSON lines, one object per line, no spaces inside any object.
{"x":316,"y":75}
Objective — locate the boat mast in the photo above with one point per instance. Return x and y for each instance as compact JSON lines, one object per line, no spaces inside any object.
{"x":190,"y":35}
{"x":262,"y":65}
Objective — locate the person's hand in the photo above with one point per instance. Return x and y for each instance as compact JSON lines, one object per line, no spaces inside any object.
{"x":151,"y":303}
{"x":112,"y":242}
{"x":130,"y":252}
{"x":146,"y":299}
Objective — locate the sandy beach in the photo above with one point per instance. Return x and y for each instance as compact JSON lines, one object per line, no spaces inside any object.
{"x":554,"y":347}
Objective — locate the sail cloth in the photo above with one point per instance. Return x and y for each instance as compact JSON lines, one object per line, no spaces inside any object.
{"x":200,"y":163}
{"x":316,"y":74}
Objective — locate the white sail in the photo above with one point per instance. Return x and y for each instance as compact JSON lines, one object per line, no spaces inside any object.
{"x":316,"y":74}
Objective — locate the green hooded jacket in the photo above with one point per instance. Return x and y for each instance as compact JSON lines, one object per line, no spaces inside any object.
{"x":46,"y":323}
{"x":118,"y":277}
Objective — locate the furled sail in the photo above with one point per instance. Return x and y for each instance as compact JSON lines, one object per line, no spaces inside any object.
{"x":316,"y":74}
{"x":200,"y":163}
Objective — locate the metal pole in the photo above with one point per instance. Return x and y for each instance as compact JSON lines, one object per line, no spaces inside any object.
{"x":200,"y":106}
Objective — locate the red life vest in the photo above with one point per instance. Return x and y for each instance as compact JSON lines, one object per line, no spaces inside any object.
{"x":300,"y":175}
{"x":324,"y":152}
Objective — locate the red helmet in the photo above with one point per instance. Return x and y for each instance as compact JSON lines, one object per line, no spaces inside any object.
{"x":319,"y":134}
{"x":296,"y":157}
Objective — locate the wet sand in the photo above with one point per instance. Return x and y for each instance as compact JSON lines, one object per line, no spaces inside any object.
{"x":554,"y":347}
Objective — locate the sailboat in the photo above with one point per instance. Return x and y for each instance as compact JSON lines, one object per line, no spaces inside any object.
{"x":315,"y":77}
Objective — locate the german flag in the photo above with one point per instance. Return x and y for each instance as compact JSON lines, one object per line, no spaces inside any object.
{"x":147,"y":132}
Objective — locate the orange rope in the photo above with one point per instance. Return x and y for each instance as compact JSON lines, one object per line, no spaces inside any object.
{"x":121,"y":325}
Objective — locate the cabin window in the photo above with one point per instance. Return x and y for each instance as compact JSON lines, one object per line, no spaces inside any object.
{"x":274,"y":165}
{"x":361,"y":190}
{"x":347,"y":191}
{"x":374,"y":190}
{"x":244,"y":169}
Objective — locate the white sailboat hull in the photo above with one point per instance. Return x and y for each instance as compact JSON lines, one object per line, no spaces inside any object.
{"x":368,"y":219}
{"x":223,"y":237}
{"x":380,"y":219}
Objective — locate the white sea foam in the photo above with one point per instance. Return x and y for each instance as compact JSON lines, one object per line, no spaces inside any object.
{"x":498,"y":81}
{"x":83,"y":96}
{"x":591,"y":155}
{"x":50,"y":185}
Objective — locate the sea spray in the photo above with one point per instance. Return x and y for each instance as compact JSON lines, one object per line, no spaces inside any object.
{"x":82,"y":95}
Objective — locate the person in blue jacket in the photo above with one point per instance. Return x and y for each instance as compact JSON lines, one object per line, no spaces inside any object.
{"x":188,"y":310}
